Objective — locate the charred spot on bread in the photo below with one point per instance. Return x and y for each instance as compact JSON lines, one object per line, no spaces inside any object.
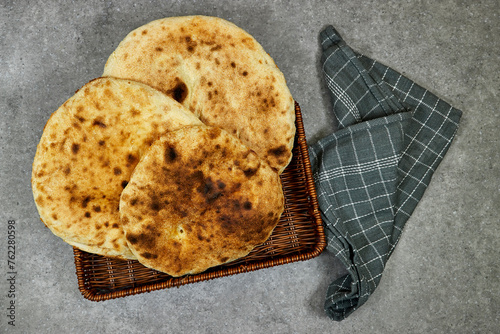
{"x":179,"y":91}
{"x":170,"y":154}
{"x":75,"y":148}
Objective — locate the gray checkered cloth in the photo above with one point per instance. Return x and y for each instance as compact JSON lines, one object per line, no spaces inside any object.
{"x":371,"y":173}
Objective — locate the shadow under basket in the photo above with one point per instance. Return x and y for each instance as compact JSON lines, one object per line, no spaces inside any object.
{"x":298,"y":236}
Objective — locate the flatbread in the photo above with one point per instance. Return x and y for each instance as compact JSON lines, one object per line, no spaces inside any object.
{"x":87,"y":152}
{"x":197,"y":199}
{"x":220,"y":73}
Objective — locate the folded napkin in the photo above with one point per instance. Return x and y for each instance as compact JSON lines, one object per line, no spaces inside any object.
{"x":371,"y":173}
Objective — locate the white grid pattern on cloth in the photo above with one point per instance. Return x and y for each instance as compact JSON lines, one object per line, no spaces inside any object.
{"x":374,"y":91}
{"x":358,"y":168}
{"x":345,"y":100}
{"x":425,"y":148}
{"x":361,"y":168}
{"x":433,"y":110}
{"x":362,"y":228}
{"x":341,"y":93}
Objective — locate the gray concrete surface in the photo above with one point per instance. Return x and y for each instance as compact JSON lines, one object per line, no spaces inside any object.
{"x":443,"y":276}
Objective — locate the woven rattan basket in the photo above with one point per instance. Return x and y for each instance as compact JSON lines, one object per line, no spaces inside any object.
{"x":298,"y":236}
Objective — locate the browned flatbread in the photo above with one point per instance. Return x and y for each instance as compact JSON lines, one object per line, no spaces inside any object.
{"x":197,"y":199}
{"x":220,"y":73}
{"x":87,"y":153}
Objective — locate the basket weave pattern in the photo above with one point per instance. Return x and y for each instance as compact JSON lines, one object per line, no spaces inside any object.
{"x":298,"y":236}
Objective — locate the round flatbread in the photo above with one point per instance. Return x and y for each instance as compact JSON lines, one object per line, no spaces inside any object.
{"x":220,"y":73}
{"x":87,"y":152}
{"x":197,"y":199}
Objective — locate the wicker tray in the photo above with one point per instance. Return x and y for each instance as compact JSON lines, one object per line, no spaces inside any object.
{"x":298,"y":236}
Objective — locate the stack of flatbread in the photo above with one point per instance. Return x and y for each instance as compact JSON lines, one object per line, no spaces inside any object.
{"x":173,"y":156}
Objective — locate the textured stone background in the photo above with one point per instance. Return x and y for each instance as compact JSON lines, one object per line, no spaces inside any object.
{"x":443,"y":276}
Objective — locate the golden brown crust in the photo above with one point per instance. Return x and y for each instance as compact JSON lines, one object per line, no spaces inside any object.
{"x":87,"y":152}
{"x":197,"y":199}
{"x":220,"y":73}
